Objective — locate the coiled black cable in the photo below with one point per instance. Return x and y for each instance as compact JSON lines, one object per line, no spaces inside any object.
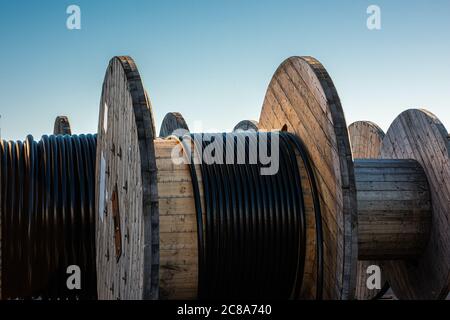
{"x":252,"y":229}
{"x":47,"y":213}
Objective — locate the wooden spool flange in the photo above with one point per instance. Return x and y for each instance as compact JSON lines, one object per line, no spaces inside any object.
{"x":246,"y":125}
{"x":146,"y":236}
{"x":419,"y":135}
{"x":366,"y":138}
{"x":302,"y":97}
{"x":171,"y":122}
{"x":62,"y":126}
{"x":127,"y":226}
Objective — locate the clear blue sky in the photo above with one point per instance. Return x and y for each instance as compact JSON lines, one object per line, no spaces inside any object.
{"x":212,"y":60}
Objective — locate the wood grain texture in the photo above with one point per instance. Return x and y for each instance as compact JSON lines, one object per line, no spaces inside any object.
{"x":301,"y":95}
{"x":171,"y":122}
{"x":62,"y":126}
{"x":246,"y":125}
{"x":178,"y":225}
{"x":365,"y":138}
{"x":126,"y":161}
{"x":394,"y":213}
{"x":419,"y":135}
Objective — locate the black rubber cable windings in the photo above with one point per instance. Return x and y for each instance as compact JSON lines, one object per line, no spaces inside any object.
{"x":252,"y":237}
{"x":47,"y":211}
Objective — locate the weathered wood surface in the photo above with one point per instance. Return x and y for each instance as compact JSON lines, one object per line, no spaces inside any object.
{"x":394,"y":213}
{"x":62,"y":125}
{"x":419,"y":135}
{"x":126,"y":163}
{"x":246,"y":125}
{"x":178,"y":225}
{"x":365,"y":138}
{"x":171,"y":122}
{"x":302,"y":96}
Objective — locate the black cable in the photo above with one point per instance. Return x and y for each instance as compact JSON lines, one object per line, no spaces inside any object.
{"x":47,"y":212}
{"x":252,"y":236}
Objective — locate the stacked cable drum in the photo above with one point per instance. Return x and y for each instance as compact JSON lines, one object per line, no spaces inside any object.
{"x":47,"y":221}
{"x":251,"y":224}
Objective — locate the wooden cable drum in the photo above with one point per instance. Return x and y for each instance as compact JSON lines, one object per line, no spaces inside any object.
{"x":302,"y":96}
{"x":152,"y":250}
{"x":246,"y":125}
{"x":62,"y":126}
{"x":47,"y":214}
{"x":366,"y":138}
{"x":154,"y":216}
{"x":47,"y":217}
{"x":419,"y":135}
{"x":146,"y":229}
{"x":171,"y":122}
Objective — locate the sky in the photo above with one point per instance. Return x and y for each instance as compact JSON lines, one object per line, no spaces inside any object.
{"x":213,"y":60}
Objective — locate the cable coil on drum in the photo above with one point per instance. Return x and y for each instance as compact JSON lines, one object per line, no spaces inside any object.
{"x":47,"y":213}
{"x":252,"y":235}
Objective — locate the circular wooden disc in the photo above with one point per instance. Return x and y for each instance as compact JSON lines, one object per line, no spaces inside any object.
{"x":62,"y":125}
{"x":301,"y":95}
{"x":246,"y":125}
{"x":171,"y":122}
{"x":365,"y":138}
{"x":127,"y":234}
{"x":418,"y":134}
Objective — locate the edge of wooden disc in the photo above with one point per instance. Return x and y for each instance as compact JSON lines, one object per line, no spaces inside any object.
{"x":171,"y":122}
{"x":302,"y":96}
{"x":246,"y":125}
{"x":126,"y":164}
{"x":419,"y":135}
{"x":62,"y":126}
{"x":366,"y":138}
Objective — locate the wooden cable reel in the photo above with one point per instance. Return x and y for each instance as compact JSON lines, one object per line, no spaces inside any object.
{"x":46,"y":215}
{"x":418,"y":203}
{"x":419,"y":135}
{"x":146,"y":231}
{"x":140,"y":256}
{"x":366,"y":138}
{"x":62,"y":126}
{"x":171,"y":122}
{"x":246,"y":125}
